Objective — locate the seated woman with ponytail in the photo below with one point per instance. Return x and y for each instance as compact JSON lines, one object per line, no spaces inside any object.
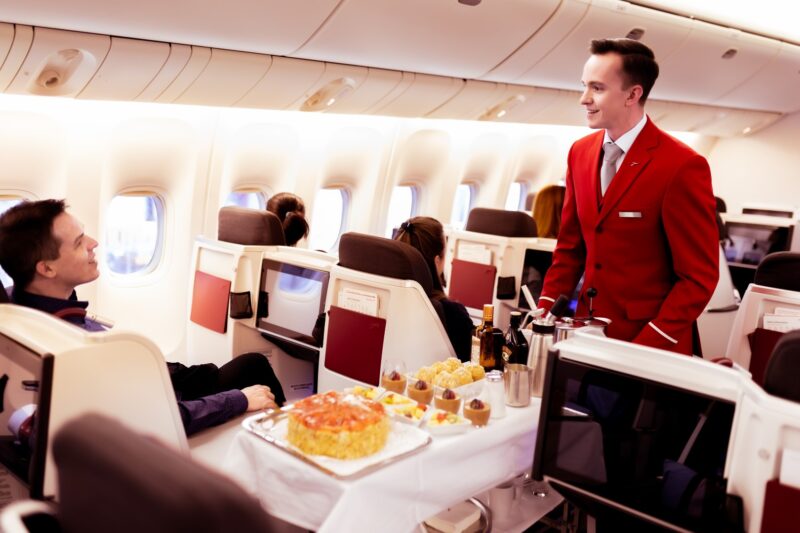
{"x":291,"y":210}
{"x":427,"y":236}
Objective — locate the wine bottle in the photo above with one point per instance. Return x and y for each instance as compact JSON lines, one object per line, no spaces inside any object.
{"x":515,"y":350}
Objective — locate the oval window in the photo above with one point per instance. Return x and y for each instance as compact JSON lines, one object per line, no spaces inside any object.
{"x":5,"y":204}
{"x":402,"y":206}
{"x":134,"y":233}
{"x":465,"y":195}
{"x":328,"y":219}
{"x":251,"y":199}
{"x":515,"y":201}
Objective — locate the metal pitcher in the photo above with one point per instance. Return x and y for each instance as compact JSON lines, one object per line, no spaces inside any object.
{"x":567,"y":326}
{"x":541,"y":339}
{"x":518,"y":380}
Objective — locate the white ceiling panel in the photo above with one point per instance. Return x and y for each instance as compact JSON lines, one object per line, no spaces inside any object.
{"x":441,"y":37}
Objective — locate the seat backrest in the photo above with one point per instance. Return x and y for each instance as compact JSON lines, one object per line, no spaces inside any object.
{"x":779,"y":270}
{"x":255,"y":227}
{"x":115,"y":479}
{"x":780,"y":378}
{"x":757,"y":302}
{"x":384,"y":257}
{"x":500,"y":222}
{"x":379,"y":308}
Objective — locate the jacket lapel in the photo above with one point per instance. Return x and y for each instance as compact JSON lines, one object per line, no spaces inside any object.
{"x":632,"y":166}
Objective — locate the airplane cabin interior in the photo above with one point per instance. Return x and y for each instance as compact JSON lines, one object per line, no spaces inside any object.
{"x":167,"y":129}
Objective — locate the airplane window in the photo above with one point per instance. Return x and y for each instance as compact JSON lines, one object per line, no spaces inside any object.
{"x":6,"y":203}
{"x":328,"y":218}
{"x":134,"y":230}
{"x":402,"y":206}
{"x":251,"y":199}
{"x":515,"y":201}
{"x":465,"y":196}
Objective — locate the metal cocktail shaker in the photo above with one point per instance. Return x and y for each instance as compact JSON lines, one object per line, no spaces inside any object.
{"x":541,"y":341}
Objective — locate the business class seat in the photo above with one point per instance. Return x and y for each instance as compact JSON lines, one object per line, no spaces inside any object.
{"x":780,"y":270}
{"x":379,"y":309}
{"x":66,"y":372}
{"x":780,"y":377}
{"x":113,"y":478}
{"x":486,"y":260}
{"x":716,"y":321}
{"x":253,"y":227}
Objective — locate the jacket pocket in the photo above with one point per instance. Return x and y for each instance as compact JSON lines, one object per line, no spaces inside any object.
{"x":642,"y":310}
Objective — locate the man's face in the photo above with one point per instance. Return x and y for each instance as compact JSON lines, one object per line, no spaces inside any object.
{"x":606,"y":100}
{"x":76,"y":263}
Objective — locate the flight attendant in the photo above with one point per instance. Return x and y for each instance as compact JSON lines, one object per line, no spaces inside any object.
{"x":638,"y":219}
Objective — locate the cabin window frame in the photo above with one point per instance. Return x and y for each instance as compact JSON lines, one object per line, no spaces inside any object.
{"x":263,"y":196}
{"x":13,"y":198}
{"x":524,"y":188}
{"x":416,"y":193}
{"x":474,"y":188}
{"x":156,"y":261}
{"x":346,"y":197}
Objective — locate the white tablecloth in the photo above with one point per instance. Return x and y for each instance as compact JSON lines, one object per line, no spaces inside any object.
{"x":394,"y":498}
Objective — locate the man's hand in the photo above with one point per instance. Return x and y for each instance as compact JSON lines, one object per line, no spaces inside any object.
{"x":259,"y":397}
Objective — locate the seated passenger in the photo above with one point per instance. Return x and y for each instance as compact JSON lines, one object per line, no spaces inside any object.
{"x":427,"y":235}
{"x":547,"y":210}
{"x":291,"y":210}
{"x":45,"y":251}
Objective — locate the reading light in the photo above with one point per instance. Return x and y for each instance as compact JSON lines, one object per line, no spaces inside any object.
{"x":328,"y":94}
{"x":500,"y":110}
{"x":747,"y":130}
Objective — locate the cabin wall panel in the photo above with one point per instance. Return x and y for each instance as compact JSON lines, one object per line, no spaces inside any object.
{"x":23,"y":37}
{"x":6,"y":40}
{"x":226,"y":78}
{"x":129,"y":67}
{"x":759,"y":168}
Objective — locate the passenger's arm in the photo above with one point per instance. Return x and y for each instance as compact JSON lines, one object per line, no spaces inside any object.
{"x":211,"y":410}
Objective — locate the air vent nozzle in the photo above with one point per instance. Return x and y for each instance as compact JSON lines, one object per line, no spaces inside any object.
{"x":636,"y":34}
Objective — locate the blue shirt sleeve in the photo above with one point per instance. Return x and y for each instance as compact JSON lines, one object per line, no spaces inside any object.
{"x":211,"y":410}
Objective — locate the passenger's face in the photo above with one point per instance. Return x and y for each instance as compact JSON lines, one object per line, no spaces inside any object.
{"x":605,"y":98}
{"x":76,"y":263}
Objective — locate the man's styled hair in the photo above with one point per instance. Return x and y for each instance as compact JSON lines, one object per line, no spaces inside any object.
{"x":639,"y":65}
{"x":26,"y":237}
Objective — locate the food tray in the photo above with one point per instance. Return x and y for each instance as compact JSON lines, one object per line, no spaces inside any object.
{"x":404,"y":440}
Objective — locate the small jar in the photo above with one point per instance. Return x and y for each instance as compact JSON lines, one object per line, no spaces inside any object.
{"x":495,"y":389}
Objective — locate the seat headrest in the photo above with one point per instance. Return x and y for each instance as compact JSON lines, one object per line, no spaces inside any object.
{"x":255,"y":227}
{"x":779,"y":270}
{"x":384,"y":257}
{"x":112,"y":478}
{"x":780,"y":377}
{"x":501,"y":222}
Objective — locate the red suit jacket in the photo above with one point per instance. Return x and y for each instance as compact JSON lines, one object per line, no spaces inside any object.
{"x":649,"y":246}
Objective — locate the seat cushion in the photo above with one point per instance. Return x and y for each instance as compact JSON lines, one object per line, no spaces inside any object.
{"x":501,"y":222}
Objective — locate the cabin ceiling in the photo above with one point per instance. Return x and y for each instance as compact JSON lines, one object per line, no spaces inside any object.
{"x":497,"y":48}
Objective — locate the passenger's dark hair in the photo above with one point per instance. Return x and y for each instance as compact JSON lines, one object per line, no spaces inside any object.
{"x":292,"y":212}
{"x":26,"y":237}
{"x":547,"y":210}
{"x":426,"y":234}
{"x":639,"y":65}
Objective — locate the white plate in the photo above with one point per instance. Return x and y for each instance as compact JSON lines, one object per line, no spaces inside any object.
{"x":468,"y":390}
{"x":404,"y":439}
{"x":397,"y":412}
{"x":446,"y":429}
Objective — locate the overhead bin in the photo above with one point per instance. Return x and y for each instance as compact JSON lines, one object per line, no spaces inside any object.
{"x":775,"y":87}
{"x":6,"y":40}
{"x":710,"y":63}
{"x":284,"y":81}
{"x":179,"y":55}
{"x":338,"y":83}
{"x":21,"y":38}
{"x":373,"y":90}
{"x":471,"y":100}
{"x":264,"y":26}
{"x":563,"y":109}
{"x":128,"y":69}
{"x":425,"y":94}
{"x":226,"y":78}
{"x":196,"y":64}
{"x":442,"y":37}
{"x":517,"y":103}
{"x":561,"y":67}
{"x":58,"y":63}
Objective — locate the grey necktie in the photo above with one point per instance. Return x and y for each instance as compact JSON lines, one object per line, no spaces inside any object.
{"x":611,"y":152}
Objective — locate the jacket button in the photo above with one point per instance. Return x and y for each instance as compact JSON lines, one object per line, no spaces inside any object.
{"x":598,"y":266}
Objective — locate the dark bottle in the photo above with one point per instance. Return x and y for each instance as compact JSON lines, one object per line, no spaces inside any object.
{"x":486,"y":335}
{"x":516,"y":347}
